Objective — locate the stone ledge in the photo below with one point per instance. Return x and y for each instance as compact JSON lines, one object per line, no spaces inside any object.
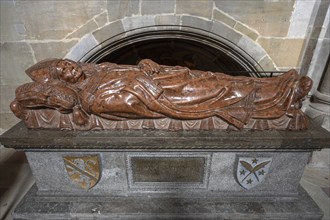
{"x":20,"y":137}
{"x":148,"y":208}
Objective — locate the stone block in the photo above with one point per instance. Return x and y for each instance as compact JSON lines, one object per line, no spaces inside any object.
{"x":125,"y":173}
{"x":226,"y":32}
{"x":9,"y":18}
{"x":16,"y":57}
{"x":269,"y":18}
{"x":202,"y":8}
{"x":56,"y":19}
{"x":7,"y":120}
{"x":157,"y":7}
{"x":246,"y":31}
{"x":196,"y":22}
{"x":267,"y":64}
{"x":83,"y":30}
{"x":52,"y":49}
{"x":321,"y":53}
{"x":85,"y":45}
{"x":325,"y":85}
{"x":167,"y":20}
{"x":108,"y":31}
{"x":102,"y":19}
{"x":220,"y":16}
{"x":252,"y":48}
{"x":123,"y":8}
{"x":320,"y":159}
{"x":284,"y":52}
{"x":319,"y":112}
{"x":138,"y":22}
{"x":301,"y":18}
{"x":7,"y":96}
{"x":318,"y":63}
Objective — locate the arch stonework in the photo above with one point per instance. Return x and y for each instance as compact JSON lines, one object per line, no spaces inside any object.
{"x":129,"y":26}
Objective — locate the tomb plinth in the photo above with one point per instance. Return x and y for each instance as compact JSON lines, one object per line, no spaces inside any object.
{"x":149,"y":141}
{"x":157,"y":174}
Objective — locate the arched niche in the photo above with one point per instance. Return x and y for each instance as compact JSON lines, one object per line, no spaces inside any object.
{"x":214,"y":46}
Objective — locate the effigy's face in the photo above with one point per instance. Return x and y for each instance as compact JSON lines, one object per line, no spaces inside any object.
{"x":69,"y":71}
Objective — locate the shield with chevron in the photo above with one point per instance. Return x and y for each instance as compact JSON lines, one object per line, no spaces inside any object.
{"x":251,"y":171}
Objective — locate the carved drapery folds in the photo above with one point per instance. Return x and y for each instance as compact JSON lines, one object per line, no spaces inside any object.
{"x":84,"y":96}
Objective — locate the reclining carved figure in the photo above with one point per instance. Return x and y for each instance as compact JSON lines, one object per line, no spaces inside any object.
{"x":111,"y":92}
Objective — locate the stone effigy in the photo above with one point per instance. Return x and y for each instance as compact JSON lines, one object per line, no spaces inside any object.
{"x":81,"y":96}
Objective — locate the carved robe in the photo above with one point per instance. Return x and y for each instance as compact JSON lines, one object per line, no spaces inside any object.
{"x":181,"y":93}
{"x":151,"y":91}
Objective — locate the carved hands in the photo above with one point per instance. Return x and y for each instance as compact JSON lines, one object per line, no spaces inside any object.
{"x":149,"y":67}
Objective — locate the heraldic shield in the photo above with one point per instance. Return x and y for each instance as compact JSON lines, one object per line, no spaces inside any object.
{"x":84,"y":171}
{"x":252,"y":171}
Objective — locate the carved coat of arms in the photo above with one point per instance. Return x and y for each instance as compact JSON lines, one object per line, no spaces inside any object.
{"x":252,"y":171}
{"x":84,"y":171}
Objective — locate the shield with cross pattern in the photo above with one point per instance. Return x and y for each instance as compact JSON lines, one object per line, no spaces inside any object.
{"x":251,"y":171}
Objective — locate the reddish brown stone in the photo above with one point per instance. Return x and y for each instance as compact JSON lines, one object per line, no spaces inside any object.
{"x":70,"y":95}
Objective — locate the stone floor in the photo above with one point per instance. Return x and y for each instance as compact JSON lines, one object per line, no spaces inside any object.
{"x":16,"y":178}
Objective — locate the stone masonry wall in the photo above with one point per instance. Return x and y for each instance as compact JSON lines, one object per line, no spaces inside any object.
{"x":273,"y":32}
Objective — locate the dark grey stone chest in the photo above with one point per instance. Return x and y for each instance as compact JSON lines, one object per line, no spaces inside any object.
{"x":149,"y":174}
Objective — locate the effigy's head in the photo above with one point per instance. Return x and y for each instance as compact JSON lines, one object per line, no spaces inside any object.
{"x":69,"y":71}
{"x":54,"y":70}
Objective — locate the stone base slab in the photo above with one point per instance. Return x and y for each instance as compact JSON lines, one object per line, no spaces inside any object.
{"x":38,"y":207}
